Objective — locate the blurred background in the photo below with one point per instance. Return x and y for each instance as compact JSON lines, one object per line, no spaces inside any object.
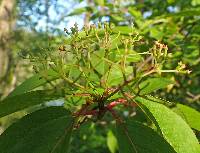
{"x":34,"y":25}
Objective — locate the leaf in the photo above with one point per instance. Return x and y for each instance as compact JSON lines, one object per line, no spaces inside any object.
{"x":34,"y":82}
{"x":190,"y":115}
{"x":189,"y":12}
{"x":134,"y":57}
{"x":150,"y":22}
{"x":98,"y":63}
{"x":112,"y":142}
{"x":157,"y":33}
{"x":80,"y":11}
{"x":173,"y":128}
{"x":123,"y":30}
{"x":19,"y":102}
{"x":116,"y":18}
{"x":74,"y":73}
{"x":135,"y":13}
{"x":44,"y":131}
{"x":115,"y":75}
{"x":99,"y":2}
{"x":134,"y":137}
{"x":195,"y":2}
{"x":153,"y":84}
{"x":131,"y":56}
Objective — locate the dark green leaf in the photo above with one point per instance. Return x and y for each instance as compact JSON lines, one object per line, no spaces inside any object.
{"x":44,"y":131}
{"x":174,"y":129}
{"x":19,"y":102}
{"x":34,"y":82}
{"x":134,"y":137}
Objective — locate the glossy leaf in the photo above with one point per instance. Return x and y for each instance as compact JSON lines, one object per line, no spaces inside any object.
{"x":134,"y":137}
{"x":19,"y":102}
{"x":153,"y":84}
{"x":190,"y":115}
{"x":34,"y":82}
{"x":44,"y":131}
{"x":174,"y":129}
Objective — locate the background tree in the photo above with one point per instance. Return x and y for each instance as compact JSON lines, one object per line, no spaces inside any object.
{"x":7,"y":22}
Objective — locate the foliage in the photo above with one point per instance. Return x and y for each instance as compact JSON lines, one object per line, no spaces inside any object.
{"x":151,"y":126}
{"x":100,"y":76}
{"x":174,"y":23}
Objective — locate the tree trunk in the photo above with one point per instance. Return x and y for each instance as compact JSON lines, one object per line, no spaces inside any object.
{"x":6,"y":26}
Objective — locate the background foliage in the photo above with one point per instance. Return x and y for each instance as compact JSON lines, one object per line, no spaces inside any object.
{"x":35,"y":29}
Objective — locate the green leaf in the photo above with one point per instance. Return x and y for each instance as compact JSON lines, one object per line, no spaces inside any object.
{"x":135,"y":13}
{"x":19,"y":102}
{"x":189,"y":12}
{"x":130,"y":56}
{"x":34,"y":82}
{"x":150,"y":22}
{"x":134,"y":57}
{"x":134,"y":137}
{"x":195,"y":2}
{"x":99,"y":2}
{"x":74,"y":73}
{"x":80,"y":11}
{"x":190,"y":115}
{"x":123,"y":30}
{"x":157,"y":33}
{"x":117,"y":18}
{"x":112,"y":142}
{"x":173,"y":128}
{"x":44,"y":131}
{"x":153,"y":84}
{"x":115,"y":75}
{"x":98,"y":63}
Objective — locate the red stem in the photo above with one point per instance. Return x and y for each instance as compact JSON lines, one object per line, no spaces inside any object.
{"x":83,"y":111}
{"x":114,"y":114}
{"x":90,"y":112}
